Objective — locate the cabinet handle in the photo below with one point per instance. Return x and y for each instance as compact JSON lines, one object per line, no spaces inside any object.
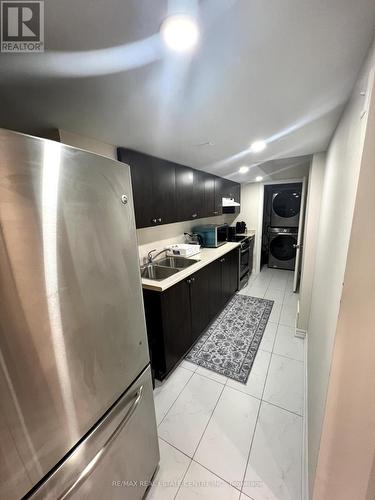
{"x":188,"y":281}
{"x":215,"y":213}
{"x":159,"y":219}
{"x":194,"y":215}
{"x":222,"y":260}
{"x":192,"y":280}
{"x":154,"y":221}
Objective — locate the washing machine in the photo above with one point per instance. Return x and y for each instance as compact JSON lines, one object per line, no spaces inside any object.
{"x":285,"y":209}
{"x":282,"y":247}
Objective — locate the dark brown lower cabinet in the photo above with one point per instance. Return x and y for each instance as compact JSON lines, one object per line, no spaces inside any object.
{"x":177,"y":317}
{"x":199,"y":297}
{"x":229,"y":275}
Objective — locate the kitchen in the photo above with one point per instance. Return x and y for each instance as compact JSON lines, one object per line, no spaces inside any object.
{"x":185,"y":214}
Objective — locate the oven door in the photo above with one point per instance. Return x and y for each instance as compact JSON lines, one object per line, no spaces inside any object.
{"x":244,"y":261}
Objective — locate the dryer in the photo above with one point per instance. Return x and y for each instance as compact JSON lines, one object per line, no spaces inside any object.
{"x":282,"y":247}
{"x":285,"y":208}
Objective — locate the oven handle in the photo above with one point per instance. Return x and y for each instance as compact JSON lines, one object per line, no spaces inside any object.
{"x":284,"y":234}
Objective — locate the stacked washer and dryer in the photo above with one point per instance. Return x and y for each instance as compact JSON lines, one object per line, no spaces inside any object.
{"x":283,"y":228}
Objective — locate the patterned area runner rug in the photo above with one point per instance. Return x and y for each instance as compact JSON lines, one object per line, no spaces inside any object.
{"x":230,"y":344}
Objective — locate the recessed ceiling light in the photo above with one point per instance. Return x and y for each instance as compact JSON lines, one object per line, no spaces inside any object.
{"x":258,"y":146}
{"x":180,"y":32}
{"x":258,"y":178}
{"x":243,"y":170}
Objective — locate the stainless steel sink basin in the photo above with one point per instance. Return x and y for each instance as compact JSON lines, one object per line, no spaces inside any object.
{"x":176,"y":262}
{"x":156,"y":272}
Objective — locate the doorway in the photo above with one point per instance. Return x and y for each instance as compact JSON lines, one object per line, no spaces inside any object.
{"x":282,"y":227}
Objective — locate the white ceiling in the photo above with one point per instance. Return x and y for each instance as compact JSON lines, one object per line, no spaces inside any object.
{"x":281,"y":70}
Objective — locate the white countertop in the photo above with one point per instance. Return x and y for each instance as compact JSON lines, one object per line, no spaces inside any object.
{"x":205,"y":256}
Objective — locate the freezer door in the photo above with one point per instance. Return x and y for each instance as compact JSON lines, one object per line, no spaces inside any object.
{"x":72,"y":328}
{"x":117,"y":459}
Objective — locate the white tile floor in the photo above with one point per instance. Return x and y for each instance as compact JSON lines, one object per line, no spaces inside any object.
{"x":220,"y":439}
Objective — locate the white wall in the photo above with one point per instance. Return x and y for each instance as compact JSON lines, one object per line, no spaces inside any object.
{"x":313,"y":204}
{"x":287,"y":173}
{"x":79,"y":141}
{"x":250,"y":212}
{"x":346,"y":466}
{"x":338,"y":198}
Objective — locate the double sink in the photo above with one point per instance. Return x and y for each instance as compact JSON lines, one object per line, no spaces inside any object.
{"x":163,"y":268}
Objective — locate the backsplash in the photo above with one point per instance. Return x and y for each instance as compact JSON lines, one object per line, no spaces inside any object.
{"x":159,"y":237}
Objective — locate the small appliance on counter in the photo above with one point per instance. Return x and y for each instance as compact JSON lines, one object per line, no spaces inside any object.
{"x":213,"y":235}
{"x":193,"y":239}
{"x":241,"y":227}
{"x":183,"y":250}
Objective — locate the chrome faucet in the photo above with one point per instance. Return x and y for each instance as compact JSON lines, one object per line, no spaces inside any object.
{"x":151,"y":258}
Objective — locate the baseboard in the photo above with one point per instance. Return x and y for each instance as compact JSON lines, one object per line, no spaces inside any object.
{"x":305,"y":469}
{"x":299,"y":331}
{"x":302,"y":334}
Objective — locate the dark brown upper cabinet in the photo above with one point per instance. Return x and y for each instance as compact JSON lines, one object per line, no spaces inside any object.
{"x":218,"y":200}
{"x":154,"y":190}
{"x":166,"y":192}
{"x":227,"y":189}
{"x":231,"y":189}
{"x":208,"y":182}
{"x":190,"y":193}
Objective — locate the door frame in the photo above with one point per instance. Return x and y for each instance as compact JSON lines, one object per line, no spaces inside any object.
{"x":260,"y":211}
{"x":301,"y":227}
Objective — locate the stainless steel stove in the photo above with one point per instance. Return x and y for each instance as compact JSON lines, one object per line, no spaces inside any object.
{"x":245,"y":259}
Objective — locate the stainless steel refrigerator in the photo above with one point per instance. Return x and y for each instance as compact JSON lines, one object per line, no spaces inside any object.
{"x":77,"y":417}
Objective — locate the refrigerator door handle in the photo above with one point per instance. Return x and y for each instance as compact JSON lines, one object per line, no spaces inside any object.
{"x":90,"y":467}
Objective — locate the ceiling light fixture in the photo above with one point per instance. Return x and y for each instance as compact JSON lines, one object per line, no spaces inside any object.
{"x":258,"y":178}
{"x":258,"y":146}
{"x":180,"y":32}
{"x":243,"y":170}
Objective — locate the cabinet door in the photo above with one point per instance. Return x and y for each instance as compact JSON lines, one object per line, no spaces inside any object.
{"x":176,"y":318}
{"x":209,"y":195}
{"x":237,"y":192}
{"x":229,"y":275}
{"x":154,"y":191}
{"x":198,"y":206}
{"x":163,"y":192}
{"x":218,"y":205}
{"x":199,"y":299}
{"x":225,"y":280}
{"x":227,"y":188}
{"x":190,"y":193}
{"x":184,"y":192}
{"x":215,"y":285}
{"x":237,"y":196}
{"x":234,"y":262}
{"x":140,"y":168}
